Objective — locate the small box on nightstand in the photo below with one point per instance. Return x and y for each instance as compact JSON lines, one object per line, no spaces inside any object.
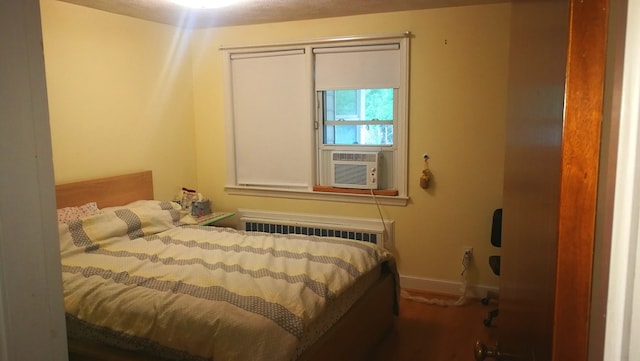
{"x":200,"y":208}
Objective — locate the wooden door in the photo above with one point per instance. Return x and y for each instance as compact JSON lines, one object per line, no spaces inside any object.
{"x":551,"y":168}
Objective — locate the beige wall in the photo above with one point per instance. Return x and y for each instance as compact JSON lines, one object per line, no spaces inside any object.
{"x":120,"y":97}
{"x":116,"y":80}
{"x":459,"y":59}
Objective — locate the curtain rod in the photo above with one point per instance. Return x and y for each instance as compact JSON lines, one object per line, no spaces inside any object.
{"x":406,"y":34}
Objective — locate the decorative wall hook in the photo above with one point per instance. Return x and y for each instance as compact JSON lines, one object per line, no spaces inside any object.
{"x":426,"y":173}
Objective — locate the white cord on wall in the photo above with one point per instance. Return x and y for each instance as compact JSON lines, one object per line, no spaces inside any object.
{"x":433,"y":301}
{"x":442,"y":302}
{"x":384,"y":226}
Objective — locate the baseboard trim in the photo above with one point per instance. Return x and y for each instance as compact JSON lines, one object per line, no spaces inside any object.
{"x":444,"y":287}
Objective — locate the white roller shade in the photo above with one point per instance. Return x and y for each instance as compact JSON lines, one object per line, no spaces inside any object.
{"x":358,"y":67}
{"x":271,"y":118}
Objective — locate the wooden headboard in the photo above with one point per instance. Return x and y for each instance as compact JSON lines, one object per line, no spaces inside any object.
{"x":106,"y":192}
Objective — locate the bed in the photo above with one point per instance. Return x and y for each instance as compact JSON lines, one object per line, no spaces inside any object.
{"x":143,"y":282}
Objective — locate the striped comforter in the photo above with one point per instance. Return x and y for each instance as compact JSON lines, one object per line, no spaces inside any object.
{"x":138,"y":276}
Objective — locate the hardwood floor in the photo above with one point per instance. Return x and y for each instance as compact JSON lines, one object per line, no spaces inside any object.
{"x":426,"y":332}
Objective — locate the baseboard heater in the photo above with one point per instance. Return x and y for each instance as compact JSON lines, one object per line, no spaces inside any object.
{"x":359,"y":229}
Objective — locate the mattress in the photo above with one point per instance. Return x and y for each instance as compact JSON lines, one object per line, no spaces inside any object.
{"x":140,"y":277}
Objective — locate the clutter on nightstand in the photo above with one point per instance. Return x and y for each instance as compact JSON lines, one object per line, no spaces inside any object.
{"x":194,"y":202}
{"x":201,"y":208}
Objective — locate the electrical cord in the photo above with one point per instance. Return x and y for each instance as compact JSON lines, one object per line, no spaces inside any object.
{"x":384,"y":226}
{"x":442,"y":302}
{"x":432,"y":301}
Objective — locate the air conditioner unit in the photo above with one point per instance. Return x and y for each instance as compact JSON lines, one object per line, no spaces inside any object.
{"x":357,"y":170}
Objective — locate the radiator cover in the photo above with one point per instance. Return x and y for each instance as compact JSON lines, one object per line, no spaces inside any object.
{"x":359,"y":229}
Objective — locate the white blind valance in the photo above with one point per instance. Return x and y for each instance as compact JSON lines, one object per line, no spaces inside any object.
{"x":271,"y":118}
{"x":266,"y":54}
{"x":358,"y":67}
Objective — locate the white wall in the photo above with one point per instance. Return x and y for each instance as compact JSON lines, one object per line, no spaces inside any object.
{"x":32,"y":325}
{"x":623,"y":304}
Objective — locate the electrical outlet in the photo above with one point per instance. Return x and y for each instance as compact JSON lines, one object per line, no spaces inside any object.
{"x":468,"y":252}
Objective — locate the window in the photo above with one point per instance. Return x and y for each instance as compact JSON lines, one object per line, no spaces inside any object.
{"x":269,"y":111}
{"x":359,"y":90}
{"x":358,"y":116}
{"x":290,"y":106}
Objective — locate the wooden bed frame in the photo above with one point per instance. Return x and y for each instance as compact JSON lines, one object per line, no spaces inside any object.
{"x":352,"y":338}
{"x":106,"y":192}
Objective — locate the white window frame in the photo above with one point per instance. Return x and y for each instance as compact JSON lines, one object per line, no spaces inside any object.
{"x":392,"y":176}
{"x":352,"y":119}
{"x":400,"y":146}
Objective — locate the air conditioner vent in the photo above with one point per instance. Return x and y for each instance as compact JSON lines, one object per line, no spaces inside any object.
{"x":358,"y":170}
{"x":355,"y":157}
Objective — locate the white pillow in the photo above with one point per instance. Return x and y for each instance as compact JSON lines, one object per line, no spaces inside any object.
{"x":68,"y":214}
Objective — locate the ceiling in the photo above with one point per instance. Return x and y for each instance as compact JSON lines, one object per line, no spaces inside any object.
{"x":261,"y":11}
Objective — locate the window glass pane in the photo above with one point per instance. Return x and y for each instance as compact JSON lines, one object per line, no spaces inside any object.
{"x":358,"y":116}
{"x":379,"y":104}
{"x":347,"y":104}
{"x":358,"y":134}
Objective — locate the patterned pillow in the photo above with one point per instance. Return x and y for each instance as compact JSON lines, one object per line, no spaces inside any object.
{"x":68,"y":214}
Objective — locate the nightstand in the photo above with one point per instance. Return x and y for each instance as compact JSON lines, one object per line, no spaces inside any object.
{"x":212,"y":218}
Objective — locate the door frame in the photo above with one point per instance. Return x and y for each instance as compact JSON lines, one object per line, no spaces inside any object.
{"x":580,"y":154}
{"x":623,"y":299}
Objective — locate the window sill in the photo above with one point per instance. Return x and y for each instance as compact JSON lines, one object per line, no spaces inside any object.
{"x":311,"y":195}
{"x":377,"y":192}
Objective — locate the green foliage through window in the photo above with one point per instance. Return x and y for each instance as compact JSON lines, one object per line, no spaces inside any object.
{"x":359,"y":116}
